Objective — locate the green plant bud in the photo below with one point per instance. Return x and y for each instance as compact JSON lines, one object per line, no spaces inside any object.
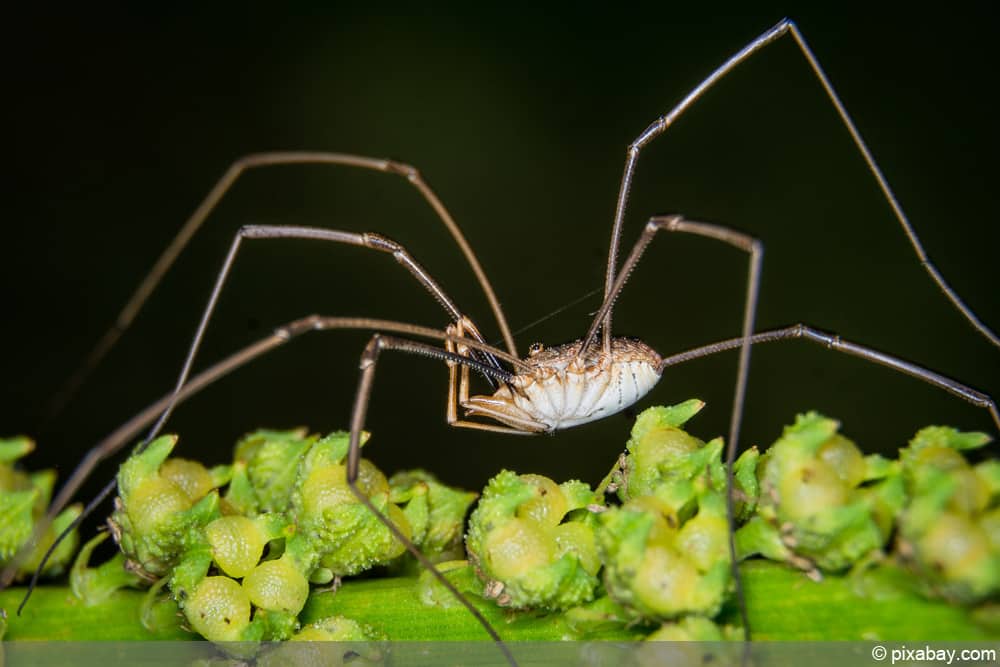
{"x":24,"y":500}
{"x":845,"y":459}
{"x":958,"y":559}
{"x":521,"y":545}
{"x":660,"y":572}
{"x":939,"y":457}
{"x":664,"y":582}
{"x":948,"y":533}
{"x":548,"y":505}
{"x":159,"y":505}
{"x":277,"y":585}
{"x":218,"y":610}
{"x":972,"y":492}
{"x":810,"y":488}
{"x":810,"y":494}
{"x":16,"y":521}
{"x":237,"y":543}
{"x":150,"y":520}
{"x":371,"y":480}
{"x":704,"y":539}
{"x":517,"y":548}
{"x":677,"y":467}
{"x":438,"y":525}
{"x":577,"y":538}
{"x":369,"y":543}
{"x":334,"y":524}
{"x":192,"y":477}
{"x":923,"y":467}
{"x":659,"y":450}
{"x":326,"y":490}
{"x":954,"y":544}
{"x":272,"y":461}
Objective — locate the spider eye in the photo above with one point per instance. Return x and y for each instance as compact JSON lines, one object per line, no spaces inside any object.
{"x":535,"y":349}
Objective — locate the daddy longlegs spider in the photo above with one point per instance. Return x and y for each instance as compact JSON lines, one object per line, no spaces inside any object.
{"x":462,"y":346}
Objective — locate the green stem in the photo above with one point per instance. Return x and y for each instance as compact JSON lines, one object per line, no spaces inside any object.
{"x":783,"y":605}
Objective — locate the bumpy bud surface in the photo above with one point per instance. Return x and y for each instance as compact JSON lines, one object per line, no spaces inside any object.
{"x":219,"y":610}
{"x":532,"y":542}
{"x":948,"y":532}
{"x":813,"y":510}
{"x":156,"y":518}
{"x":24,"y":498}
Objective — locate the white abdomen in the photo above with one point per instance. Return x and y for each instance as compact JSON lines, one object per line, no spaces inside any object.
{"x":562,"y":391}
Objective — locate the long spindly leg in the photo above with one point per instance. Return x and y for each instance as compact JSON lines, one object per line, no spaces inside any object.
{"x":372,"y":241}
{"x":660,"y":125}
{"x":126,"y":433}
{"x":208,"y":204}
{"x":755,"y":249}
{"x":369,"y":360}
{"x":835,"y":342}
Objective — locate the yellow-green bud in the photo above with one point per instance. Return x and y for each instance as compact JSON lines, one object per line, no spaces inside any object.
{"x":518,"y":547}
{"x":277,"y":585}
{"x":237,"y":543}
{"x":548,"y":506}
{"x":218,"y":609}
{"x":844,"y":458}
{"x":192,"y":477}
{"x":154,"y":503}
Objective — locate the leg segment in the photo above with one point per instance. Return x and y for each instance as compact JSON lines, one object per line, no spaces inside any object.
{"x":369,"y":359}
{"x":205,"y":208}
{"x":372,"y":241}
{"x":756,"y":251}
{"x":660,"y":125}
{"x":834,"y":342}
{"x":125,"y":433}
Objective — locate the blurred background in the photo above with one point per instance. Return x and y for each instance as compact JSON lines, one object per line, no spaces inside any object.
{"x":117,"y":126}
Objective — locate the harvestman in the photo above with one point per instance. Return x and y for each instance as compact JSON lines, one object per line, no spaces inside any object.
{"x":550,"y":389}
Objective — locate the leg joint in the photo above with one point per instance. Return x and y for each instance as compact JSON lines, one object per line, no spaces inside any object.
{"x":379,"y":242}
{"x":372,"y":350}
{"x":402,"y":169}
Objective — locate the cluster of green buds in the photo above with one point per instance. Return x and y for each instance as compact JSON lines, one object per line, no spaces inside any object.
{"x":822,"y":503}
{"x":665,"y":548}
{"x":240,"y":546}
{"x":949,"y":532}
{"x":813,"y":501}
{"x":533,"y":542}
{"x":24,"y":499}
{"x":240,"y":562}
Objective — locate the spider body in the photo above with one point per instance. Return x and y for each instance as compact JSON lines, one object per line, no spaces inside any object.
{"x":561,"y":389}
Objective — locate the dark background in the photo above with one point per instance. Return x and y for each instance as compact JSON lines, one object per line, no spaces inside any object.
{"x":118,"y":124}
